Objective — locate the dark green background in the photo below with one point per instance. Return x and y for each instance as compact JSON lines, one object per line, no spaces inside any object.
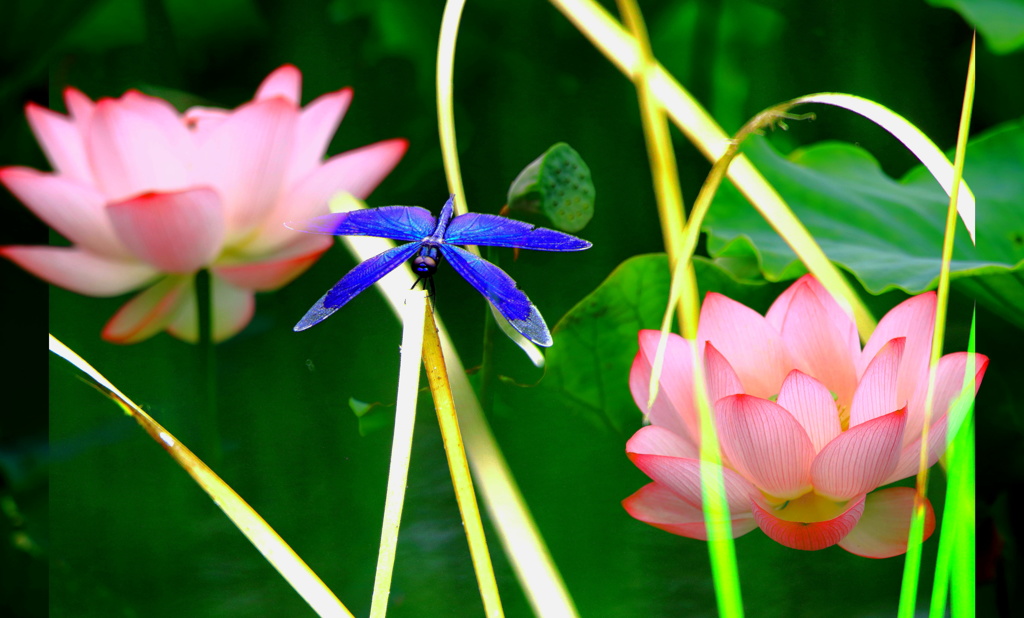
{"x":98,"y":521}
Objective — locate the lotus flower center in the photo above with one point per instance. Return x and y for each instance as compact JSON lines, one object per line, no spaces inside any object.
{"x":844,"y":412}
{"x":808,"y":508}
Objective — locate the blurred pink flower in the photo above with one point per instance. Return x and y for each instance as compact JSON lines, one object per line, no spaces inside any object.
{"x":810,"y":425}
{"x":148,"y":196}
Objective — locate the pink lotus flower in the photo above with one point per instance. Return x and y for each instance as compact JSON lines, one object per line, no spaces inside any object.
{"x":810,"y":425}
{"x":148,"y":197}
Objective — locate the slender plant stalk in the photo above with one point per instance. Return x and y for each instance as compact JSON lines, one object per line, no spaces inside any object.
{"x":912,"y":566}
{"x":267,"y":541}
{"x":664,"y":172}
{"x":622,"y":49}
{"x":449,"y":149}
{"x":401,"y":447}
{"x":445,"y":109}
{"x":209,"y":417}
{"x":964,"y":568}
{"x":488,"y":370}
{"x":955,"y":566}
{"x":963,"y":495}
{"x":947,"y":545}
{"x":520,"y":538}
{"x":440,"y":389}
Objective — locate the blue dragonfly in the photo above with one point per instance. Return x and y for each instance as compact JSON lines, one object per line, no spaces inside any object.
{"x":430,"y":241}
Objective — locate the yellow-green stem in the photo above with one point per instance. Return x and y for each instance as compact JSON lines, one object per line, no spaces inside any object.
{"x":449,"y":148}
{"x":670,"y":209}
{"x":912,"y":566}
{"x":699,"y":127}
{"x":662,"y":158}
{"x":664,"y":171}
{"x":955,"y":568}
{"x":440,"y":390}
{"x":964,"y":568}
{"x":299,"y":576}
{"x":445,"y":109}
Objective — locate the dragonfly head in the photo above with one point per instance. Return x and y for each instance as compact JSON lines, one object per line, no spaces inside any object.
{"x":424,"y":266}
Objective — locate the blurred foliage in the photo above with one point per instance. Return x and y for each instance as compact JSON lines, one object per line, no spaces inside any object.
{"x":1000,"y":22}
{"x":124,"y":532}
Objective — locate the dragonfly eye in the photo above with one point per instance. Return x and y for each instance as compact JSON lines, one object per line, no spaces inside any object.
{"x":424,"y":266}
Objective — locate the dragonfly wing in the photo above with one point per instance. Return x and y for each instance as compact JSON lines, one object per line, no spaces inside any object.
{"x":493,"y":231}
{"x":501,"y":291}
{"x":397,"y":222}
{"x":355,"y":281}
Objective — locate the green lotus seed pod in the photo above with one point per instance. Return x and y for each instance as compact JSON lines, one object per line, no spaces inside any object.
{"x":557,"y":184}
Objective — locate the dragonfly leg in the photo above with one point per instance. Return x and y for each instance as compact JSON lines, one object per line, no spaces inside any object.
{"x":428,"y":284}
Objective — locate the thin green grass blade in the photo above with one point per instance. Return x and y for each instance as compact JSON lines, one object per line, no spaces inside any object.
{"x":298,"y":575}
{"x":955,"y":568}
{"x":912,"y":566}
{"x":962,"y":464}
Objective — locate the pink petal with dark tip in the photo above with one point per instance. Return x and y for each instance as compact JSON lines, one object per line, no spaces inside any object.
{"x":673,"y":408}
{"x":914,"y":319}
{"x":80,"y":107}
{"x":357,"y":172}
{"x":683,"y":477}
{"x":719,"y":376}
{"x":876,"y":393}
{"x":838,"y":310}
{"x":658,"y":506}
{"x":285,"y":82}
{"x":950,"y":409}
{"x":949,"y":382}
{"x":655,"y":440}
{"x":317,"y":123}
{"x":859,"y":459}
